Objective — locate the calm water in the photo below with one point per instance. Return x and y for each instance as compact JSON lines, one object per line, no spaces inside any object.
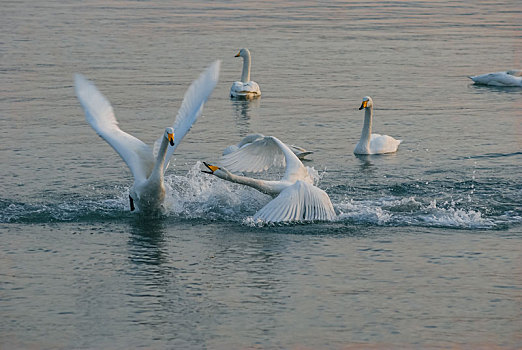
{"x":426,"y":252}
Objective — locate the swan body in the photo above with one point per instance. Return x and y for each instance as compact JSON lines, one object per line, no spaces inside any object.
{"x":373,"y":143}
{"x":147,"y":164}
{"x":506,"y":78}
{"x":296,"y":198}
{"x":300,"y":152}
{"x":245,"y":88}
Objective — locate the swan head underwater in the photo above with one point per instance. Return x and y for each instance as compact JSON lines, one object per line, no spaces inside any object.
{"x":367,"y":102}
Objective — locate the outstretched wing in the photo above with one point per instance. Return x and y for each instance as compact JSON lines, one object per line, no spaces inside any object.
{"x":99,"y":113}
{"x":262,"y":154}
{"x":192,"y":106}
{"x":299,"y":202}
{"x":255,"y":157}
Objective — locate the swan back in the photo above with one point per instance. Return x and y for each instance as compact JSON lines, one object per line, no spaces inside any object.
{"x":507,"y":78}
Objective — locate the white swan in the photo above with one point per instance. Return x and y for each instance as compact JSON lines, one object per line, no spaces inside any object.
{"x":507,"y":78}
{"x":245,"y":88}
{"x":373,"y":143}
{"x":296,"y":198}
{"x":148,"y":190}
{"x":300,"y":152}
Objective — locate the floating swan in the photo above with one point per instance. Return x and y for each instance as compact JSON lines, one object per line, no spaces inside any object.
{"x":300,"y":152}
{"x":296,"y":198}
{"x":507,"y":78}
{"x":245,"y":88}
{"x":373,"y":143}
{"x":147,"y":165}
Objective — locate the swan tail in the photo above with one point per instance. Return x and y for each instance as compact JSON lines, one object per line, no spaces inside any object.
{"x":299,"y":202}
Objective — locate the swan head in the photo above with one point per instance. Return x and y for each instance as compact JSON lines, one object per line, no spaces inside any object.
{"x":211,"y":168}
{"x":169,"y":135}
{"x":367,"y":102}
{"x":217,"y":171}
{"x":243,"y":53}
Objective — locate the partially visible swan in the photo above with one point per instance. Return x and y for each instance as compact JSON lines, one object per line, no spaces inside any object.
{"x":296,"y":198}
{"x":300,"y":152}
{"x":507,"y":78}
{"x":373,"y":143}
{"x":245,"y":88}
{"x":147,"y":165}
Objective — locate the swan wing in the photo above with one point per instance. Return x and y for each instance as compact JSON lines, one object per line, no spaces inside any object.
{"x":298,"y":202}
{"x":264,"y":153}
{"x":192,"y":106}
{"x":383,"y":144}
{"x":255,"y":157}
{"x":99,"y":113}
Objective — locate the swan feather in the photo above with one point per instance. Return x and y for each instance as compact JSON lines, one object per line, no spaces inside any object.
{"x":298,"y":202}
{"x":99,"y":114}
{"x":506,"y":78}
{"x":264,"y":153}
{"x":192,"y":107}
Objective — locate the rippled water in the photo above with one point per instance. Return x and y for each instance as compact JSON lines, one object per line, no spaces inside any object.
{"x":425,"y":252}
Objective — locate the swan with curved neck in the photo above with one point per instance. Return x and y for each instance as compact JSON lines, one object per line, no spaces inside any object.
{"x":296,"y":198}
{"x":148,"y":190}
{"x":245,"y":88}
{"x":506,"y":78}
{"x":373,"y":143}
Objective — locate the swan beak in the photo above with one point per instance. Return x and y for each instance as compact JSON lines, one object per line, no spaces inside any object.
{"x":363,"y":105}
{"x":171,"y":139}
{"x":212,"y":168}
{"x":238,"y":54}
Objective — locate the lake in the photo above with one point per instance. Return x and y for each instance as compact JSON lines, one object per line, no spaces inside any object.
{"x":425,"y":252}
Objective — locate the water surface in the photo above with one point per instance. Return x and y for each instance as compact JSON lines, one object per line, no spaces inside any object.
{"x":425,"y":252}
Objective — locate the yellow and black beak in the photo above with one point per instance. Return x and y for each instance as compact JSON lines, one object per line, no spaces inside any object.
{"x":212,"y":168}
{"x":171,"y":139}
{"x":364,"y":104}
{"x":238,"y":54}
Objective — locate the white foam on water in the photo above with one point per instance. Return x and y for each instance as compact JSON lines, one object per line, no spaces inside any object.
{"x":410,"y":211}
{"x":200,"y":195}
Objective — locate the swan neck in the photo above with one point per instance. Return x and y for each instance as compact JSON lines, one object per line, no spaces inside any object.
{"x":367,"y":127}
{"x":245,"y":75}
{"x":160,"y":160}
{"x":243,"y":180}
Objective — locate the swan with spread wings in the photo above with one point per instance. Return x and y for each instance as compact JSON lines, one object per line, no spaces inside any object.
{"x":296,"y":197}
{"x":147,"y":164}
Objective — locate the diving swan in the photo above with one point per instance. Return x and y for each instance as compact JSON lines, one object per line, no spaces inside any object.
{"x":245,"y":88}
{"x":300,"y":152}
{"x":146,"y":164}
{"x":296,"y":198}
{"x":373,"y":143}
{"x":507,"y":78}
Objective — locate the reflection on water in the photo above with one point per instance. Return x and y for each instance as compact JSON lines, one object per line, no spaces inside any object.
{"x":365,"y":164}
{"x":147,"y":241}
{"x":243,"y":109}
{"x":480,"y":89}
